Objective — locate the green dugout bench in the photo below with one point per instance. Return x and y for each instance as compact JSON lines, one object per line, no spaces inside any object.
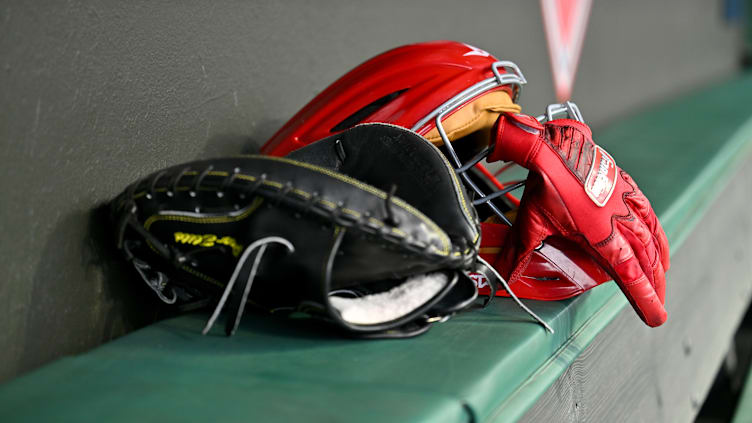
{"x":690,"y":157}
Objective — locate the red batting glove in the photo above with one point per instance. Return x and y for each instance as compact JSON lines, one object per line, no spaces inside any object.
{"x":576,"y":191}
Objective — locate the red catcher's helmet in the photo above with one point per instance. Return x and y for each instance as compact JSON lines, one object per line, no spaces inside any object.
{"x":446,"y":91}
{"x":406,"y":86}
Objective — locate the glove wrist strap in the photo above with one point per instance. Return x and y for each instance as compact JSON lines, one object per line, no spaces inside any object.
{"x":516,"y":136}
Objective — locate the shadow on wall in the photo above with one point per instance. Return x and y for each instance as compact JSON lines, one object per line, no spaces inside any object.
{"x":84,"y":293}
{"x":104,"y":298}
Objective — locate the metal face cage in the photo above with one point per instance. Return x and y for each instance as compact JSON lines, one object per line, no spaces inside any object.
{"x":513,"y":76}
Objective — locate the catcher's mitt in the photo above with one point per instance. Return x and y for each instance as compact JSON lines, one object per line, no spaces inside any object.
{"x":375,"y":237}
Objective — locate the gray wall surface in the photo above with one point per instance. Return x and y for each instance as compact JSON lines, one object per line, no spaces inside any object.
{"x":94,"y":94}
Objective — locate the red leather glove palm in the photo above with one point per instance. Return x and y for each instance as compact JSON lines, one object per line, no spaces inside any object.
{"x":576,"y":191}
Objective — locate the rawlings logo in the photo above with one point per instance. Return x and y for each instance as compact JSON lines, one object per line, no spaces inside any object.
{"x":601,"y":179}
{"x":475,"y":51}
{"x":208,"y":240}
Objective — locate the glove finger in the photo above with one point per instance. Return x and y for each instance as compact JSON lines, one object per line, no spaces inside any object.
{"x":638,"y":202}
{"x":648,"y":250}
{"x":660,"y":237}
{"x":659,"y":278}
{"x":641,"y":207}
{"x":633,"y":280}
{"x":650,"y":257}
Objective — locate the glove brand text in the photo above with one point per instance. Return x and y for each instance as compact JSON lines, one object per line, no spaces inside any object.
{"x":208,"y":240}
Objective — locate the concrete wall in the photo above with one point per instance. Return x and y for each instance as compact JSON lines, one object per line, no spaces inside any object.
{"x":94,"y":94}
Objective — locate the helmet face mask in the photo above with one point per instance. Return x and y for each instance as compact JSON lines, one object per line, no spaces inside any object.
{"x":511,"y":78}
{"x":470,"y":150}
{"x":451,"y":94}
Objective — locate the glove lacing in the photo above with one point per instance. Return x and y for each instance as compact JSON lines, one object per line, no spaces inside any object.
{"x":261,"y":244}
{"x":514,"y":297}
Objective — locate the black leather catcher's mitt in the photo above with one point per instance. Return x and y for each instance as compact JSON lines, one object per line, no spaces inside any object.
{"x":369,"y":229}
